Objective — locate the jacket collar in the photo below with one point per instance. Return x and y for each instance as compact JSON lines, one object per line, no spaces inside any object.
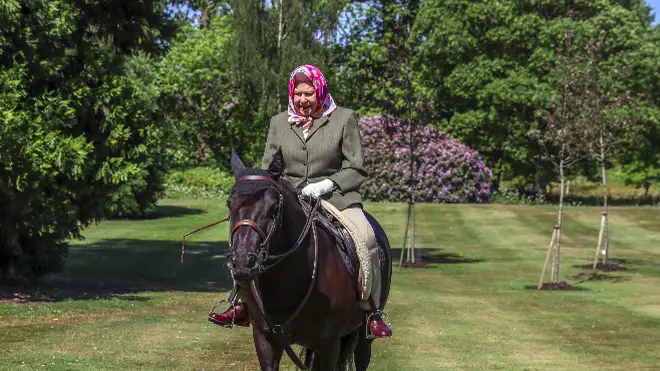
{"x":317,"y":124}
{"x":298,"y":131}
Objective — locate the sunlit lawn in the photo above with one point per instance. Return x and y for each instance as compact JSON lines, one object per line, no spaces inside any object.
{"x":127,"y":303}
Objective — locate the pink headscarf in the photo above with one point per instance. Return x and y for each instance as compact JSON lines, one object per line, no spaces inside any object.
{"x":324,"y":101}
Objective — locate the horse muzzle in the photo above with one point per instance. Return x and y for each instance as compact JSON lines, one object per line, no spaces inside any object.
{"x":244,"y":270}
{"x":244,"y":274}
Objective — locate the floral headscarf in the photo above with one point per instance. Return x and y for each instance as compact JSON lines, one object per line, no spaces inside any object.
{"x":324,"y":101}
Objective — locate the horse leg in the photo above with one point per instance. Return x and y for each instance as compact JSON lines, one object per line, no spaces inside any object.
{"x":346,"y":357}
{"x":326,"y":358}
{"x":269,"y":355}
{"x":363,"y":350}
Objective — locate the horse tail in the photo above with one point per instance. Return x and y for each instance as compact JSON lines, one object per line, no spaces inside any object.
{"x":346,"y":360}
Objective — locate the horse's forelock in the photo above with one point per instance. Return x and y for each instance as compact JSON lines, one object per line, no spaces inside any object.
{"x":251,"y":187}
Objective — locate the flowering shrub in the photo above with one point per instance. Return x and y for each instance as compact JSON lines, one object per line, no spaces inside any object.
{"x":445,"y":170}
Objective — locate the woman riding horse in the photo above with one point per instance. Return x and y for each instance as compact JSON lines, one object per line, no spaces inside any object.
{"x":329,"y":170}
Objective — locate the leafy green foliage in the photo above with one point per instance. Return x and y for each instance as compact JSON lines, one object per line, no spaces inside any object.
{"x":78,"y":133}
{"x":487,"y":70}
{"x":196,"y":85}
{"x":226,"y":78}
{"x":638,"y":158}
{"x":199,"y":182}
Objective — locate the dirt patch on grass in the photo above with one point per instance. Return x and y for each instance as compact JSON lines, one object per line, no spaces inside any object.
{"x":558,"y":286}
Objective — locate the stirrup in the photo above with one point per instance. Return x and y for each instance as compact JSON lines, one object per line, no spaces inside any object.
{"x":232,"y":306}
{"x":383,"y":316}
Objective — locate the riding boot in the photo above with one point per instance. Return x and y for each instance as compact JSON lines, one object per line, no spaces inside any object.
{"x":377,"y":327}
{"x":236,"y":314}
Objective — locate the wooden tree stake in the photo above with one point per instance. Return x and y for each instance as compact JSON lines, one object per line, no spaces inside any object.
{"x":547,"y":256}
{"x":600,"y":239}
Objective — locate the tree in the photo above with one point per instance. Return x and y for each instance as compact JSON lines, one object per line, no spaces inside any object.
{"x":486,"y":69}
{"x":638,"y":158}
{"x":196,"y":82}
{"x":78,"y":124}
{"x":563,"y":135}
{"x":606,"y":121}
{"x":227,"y":74}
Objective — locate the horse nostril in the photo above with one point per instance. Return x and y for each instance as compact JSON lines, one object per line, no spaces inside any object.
{"x":252,"y":262}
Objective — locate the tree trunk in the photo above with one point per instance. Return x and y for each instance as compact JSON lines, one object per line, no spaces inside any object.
{"x":280,"y":36}
{"x":555,"y":272}
{"x":540,"y":183}
{"x":280,"y":29}
{"x":605,"y":216}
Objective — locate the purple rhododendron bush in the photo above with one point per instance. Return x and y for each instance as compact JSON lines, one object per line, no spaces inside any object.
{"x":446,"y":170}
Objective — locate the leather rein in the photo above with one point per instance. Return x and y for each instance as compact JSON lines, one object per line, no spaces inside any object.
{"x":266,"y":261}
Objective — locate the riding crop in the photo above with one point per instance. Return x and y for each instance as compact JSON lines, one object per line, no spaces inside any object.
{"x":183,"y":241}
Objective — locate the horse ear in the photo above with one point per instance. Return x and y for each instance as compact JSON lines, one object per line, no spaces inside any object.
{"x":237,"y":165}
{"x":277,"y":165}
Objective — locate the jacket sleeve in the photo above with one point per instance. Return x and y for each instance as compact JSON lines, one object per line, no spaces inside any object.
{"x":352,"y":174}
{"x":272,"y":145}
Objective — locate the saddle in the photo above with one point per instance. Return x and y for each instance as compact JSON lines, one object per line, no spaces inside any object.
{"x":347,"y":249}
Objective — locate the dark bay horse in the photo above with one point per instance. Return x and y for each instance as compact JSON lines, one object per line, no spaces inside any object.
{"x":291,"y":276}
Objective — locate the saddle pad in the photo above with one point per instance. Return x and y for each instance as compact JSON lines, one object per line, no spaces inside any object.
{"x":365,"y":273}
{"x":343,"y":240}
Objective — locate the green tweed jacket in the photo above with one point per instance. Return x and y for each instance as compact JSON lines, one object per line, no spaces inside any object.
{"x":333,"y":149}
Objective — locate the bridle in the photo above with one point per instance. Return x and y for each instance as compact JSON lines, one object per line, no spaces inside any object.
{"x":266,"y":261}
{"x":263,"y":257}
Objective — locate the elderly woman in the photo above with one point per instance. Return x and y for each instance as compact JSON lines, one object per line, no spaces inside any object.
{"x":322,"y":151}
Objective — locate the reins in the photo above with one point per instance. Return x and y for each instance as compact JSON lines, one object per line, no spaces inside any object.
{"x":278,"y":330}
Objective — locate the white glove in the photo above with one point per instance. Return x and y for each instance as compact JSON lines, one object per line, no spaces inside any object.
{"x":319,"y":188}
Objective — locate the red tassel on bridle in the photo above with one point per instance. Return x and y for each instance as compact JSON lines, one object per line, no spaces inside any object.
{"x":183,"y":241}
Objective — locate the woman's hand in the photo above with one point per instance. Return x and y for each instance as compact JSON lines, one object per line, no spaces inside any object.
{"x":319,"y":188}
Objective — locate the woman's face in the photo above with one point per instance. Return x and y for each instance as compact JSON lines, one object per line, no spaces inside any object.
{"x":304,"y":98}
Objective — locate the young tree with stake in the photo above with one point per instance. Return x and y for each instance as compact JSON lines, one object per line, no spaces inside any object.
{"x":562,"y":137}
{"x":606,"y":121}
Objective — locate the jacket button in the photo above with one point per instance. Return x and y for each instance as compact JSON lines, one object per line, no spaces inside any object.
{"x":305,"y":163}
{"x":304,"y":147}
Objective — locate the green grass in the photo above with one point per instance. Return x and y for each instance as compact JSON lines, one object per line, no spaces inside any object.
{"x":126,"y":303}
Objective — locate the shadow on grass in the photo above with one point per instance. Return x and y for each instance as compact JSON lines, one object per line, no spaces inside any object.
{"x":436,"y":256}
{"x":112,"y":267}
{"x":115,"y":268}
{"x":628,"y":200}
{"x":629,"y":262}
{"x":572,"y":288}
{"x":164,"y":211}
{"x":598,"y":277}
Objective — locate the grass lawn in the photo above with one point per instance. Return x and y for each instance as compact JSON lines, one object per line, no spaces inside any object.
{"x":124,"y":301}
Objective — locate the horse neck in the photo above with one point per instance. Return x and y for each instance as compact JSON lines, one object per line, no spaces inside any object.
{"x":293,"y":223}
{"x":286,"y":281}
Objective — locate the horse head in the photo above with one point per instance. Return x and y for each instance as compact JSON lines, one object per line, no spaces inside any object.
{"x":255,"y":212}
